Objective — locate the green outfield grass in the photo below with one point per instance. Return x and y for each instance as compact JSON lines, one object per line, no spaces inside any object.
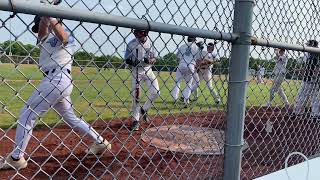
{"x":106,"y":94}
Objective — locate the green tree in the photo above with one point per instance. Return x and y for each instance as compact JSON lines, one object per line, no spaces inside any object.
{"x":83,"y":58}
{"x":19,"y":49}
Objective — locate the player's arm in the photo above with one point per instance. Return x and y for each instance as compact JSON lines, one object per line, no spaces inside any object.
{"x":43,"y":29}
{"x":178,"y":55}
{"x":128,"y":56}
{"x":59,"y":30}
{"x":208,"y":61}
{"x":152,"y":57}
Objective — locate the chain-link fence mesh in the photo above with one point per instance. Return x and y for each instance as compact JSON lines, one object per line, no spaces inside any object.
{"x":180,"y":138}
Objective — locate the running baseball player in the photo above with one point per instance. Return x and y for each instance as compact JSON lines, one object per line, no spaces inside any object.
{"x":140,"y":55}
{"x":204,"y":70}
{"x":279,"y":76}
{"x":56,"y":49}
{"x":187,"y":56}
{"x":310,"y":85}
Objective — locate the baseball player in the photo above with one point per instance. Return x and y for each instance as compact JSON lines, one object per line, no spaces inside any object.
{"x":187,"y":56}
{"x":260,"y":74}
{"x":140,"y":55}
{"x":310,"y":85}
{"x":204,"y":66}
{"x":56,"y":49}
{"x":279,"y":73}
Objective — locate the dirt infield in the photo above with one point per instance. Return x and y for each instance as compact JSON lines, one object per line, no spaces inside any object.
{"x":131,"y":157}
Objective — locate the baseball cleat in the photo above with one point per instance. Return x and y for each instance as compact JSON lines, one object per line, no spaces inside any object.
{"x":99,"y":148}
{"x":218,"y":101}
{"x":9,"y":163}
{"x":144,"y":114}
{"x":135,"y":126}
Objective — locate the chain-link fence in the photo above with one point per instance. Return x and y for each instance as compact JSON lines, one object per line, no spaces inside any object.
{"x":112,"y":84}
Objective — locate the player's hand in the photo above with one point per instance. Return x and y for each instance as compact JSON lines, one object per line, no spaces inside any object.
{"x":45,"y":20}
{"x":152,"y":60}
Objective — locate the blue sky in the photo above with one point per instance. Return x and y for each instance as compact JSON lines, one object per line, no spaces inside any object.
{"x":270,"y":20}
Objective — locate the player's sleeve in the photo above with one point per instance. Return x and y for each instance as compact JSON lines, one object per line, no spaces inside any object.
{"x":214,"y":55}
{"x":127,"y":54}
{"x":305,"y":57}
{"x":178,"y":54}
{"x":198,"y":54}
{"x":153,"y":52}
{"x":204,"y":54}
{"x":71,"y":41}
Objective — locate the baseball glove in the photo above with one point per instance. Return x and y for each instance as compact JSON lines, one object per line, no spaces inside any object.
{"x":205,"y":63}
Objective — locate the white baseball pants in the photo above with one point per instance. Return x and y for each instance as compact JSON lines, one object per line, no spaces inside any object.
{"x":308,"y":91}
{"x":276,"y":87}
{"x":151,"y":81}
{"x":206,"y":75}
{"x":54,"y":91}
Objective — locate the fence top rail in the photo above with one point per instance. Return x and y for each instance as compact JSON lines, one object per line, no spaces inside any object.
{"x":24,"y":6}
{"x":275,"y":44}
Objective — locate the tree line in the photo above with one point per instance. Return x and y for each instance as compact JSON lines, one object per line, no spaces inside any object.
{"x":167,"y":62}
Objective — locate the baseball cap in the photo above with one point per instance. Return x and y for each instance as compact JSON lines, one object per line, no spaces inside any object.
{"x":141,"y":32}
{"x":191,"y":38}
{"x":312,"y":42}
{"x":210,"y":44}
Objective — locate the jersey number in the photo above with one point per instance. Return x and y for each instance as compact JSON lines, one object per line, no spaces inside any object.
{"x":53,"y":41}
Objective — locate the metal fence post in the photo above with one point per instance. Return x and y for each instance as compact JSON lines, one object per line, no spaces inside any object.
{"x":239,"y":64}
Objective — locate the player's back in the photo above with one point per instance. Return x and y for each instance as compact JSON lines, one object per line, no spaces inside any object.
{"x":281,"y":64}
{"x":188,"y":54}
{"x":53,"y":53}
{"x":312,"y":68}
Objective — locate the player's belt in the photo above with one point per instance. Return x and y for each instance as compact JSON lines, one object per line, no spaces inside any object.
{"x":53,"y":70}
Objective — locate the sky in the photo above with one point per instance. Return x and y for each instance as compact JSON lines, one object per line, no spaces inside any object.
{"x":282,"y":20}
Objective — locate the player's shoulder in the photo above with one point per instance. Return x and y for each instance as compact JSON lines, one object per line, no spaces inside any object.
{"x":148,"y":42}
{"x":184,"y":46}
{"x":214,"y":54}
{"x":132,"y":42}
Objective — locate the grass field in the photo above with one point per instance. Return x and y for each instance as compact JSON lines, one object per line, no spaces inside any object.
{"x":105,"y":94}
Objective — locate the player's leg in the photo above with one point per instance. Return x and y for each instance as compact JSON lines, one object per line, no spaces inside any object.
{"x":207,"y":75}
{"x":315,"y":101}
{"x":195,"y":84}
{"x":281,"y":91}
{"x":153,"y":87}
{"x":39,"y":102}
{"x":188,"y":77}
{"x":176,"y":89}
{"x":302,"y":98}
{"x":259,"y":80}
{"x":196,"y":91}
{"x":283,"y":96}
{"x":274,"y":88}
{"x":136,"y":86}
{"x":65,"y":110}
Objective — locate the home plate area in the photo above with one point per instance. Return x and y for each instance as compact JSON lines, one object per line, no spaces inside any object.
{"x":172,"y":146}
